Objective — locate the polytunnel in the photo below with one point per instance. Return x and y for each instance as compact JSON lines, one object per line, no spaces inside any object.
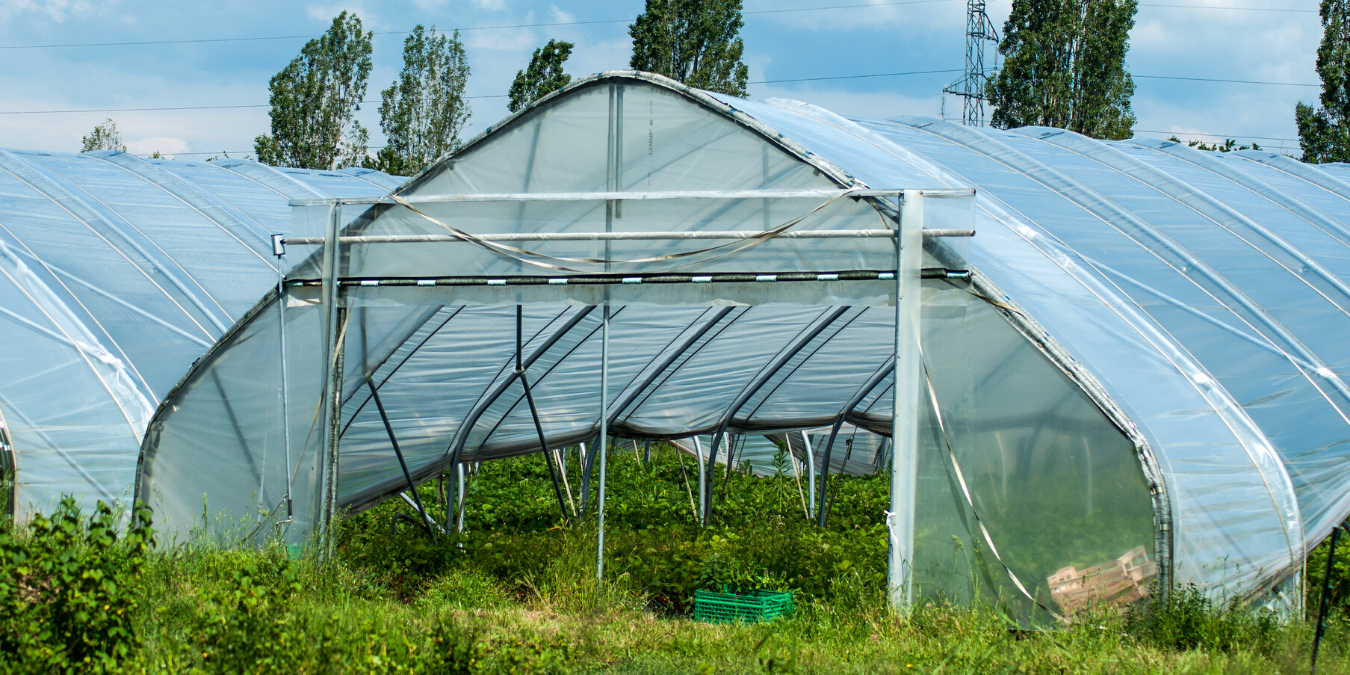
{"x":116,"y":273}
{"x":1130,"y":377}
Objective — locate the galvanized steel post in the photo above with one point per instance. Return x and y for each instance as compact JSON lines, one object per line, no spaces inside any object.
{"x":332,"y":251}
{"x":603,"y":446}
{"x":905,"y":413}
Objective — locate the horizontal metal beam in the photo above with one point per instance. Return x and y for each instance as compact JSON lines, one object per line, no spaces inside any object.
{"x":608,"y":279}
{"x":621,"y":236}
{"x":630,"y":196}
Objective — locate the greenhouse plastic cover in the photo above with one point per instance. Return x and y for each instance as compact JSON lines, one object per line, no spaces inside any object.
{"x":116,"y":273}
{"x":1149,"y":351}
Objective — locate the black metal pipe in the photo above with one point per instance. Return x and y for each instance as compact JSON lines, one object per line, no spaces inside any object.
{"x":825,"y":471}
{"x":534,"y":413}
{"x":1326,"y":593}
{"x":398,"y":452}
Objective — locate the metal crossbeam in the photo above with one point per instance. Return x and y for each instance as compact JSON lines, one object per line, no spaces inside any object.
{"x":659,"y":235}
{"x":631,"y":196}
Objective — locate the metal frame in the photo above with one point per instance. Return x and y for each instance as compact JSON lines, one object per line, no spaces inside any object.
{"x":908,"y":239}
{"x":398,"y":452}
{"x":780,"y":359}
{"x":877,"y":377}
{"x":534,"y":411}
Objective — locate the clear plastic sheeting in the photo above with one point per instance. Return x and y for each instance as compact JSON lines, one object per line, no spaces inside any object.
{"x":116,"y":273}
{"x":1134,"y":366}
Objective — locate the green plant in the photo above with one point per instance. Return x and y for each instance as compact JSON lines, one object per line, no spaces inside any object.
{"x":1186,"y":619}
{"x":67,"y":590}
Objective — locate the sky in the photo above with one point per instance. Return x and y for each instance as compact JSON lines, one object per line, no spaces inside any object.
{"x":1269,"y":44}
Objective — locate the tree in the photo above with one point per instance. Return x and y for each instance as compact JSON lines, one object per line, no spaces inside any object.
{"x":1228,"y":145}
{"x":104,"y":137}
{"x":424,"y":110}
{"x":543,"y":76}
{"x":314,"y":100}
{"x":694,"y":41}
{"x":1064,"y":66}
{"x":1324,"y":134}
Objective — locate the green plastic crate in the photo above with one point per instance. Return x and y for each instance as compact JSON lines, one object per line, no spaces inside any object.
{"x":743,"y":606}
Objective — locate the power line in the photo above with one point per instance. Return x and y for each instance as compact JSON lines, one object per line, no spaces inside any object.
{"x":782,"y":81}
{"x":1244,"y":9}
{"x":186,"y":107}
{"x":1223,"y":136}
{"x":858,"y":77}
{"x":462,"y":30}
{"x":1211,"y":79}
{"x":554,"y":24}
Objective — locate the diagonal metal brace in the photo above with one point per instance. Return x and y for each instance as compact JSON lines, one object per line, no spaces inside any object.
{"x":398,"y":452}
{"x":534,"y":413}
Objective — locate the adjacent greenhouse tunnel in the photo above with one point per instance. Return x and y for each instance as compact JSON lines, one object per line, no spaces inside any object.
{"x":1132,"y":373}
{"x":116,"y":273}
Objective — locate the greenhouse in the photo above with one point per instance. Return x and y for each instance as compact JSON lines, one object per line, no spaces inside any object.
{"x":119,"y":272}
{"x":1130,"y":374}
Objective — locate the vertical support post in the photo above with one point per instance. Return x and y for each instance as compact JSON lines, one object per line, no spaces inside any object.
{"x":280,"y":251}
{"x":810,"y":470}
{"x":1326,"y":593}
{"x":702,"y":478}
{"x":604,"y":444}
{"x":459,"y":496}
{"x":534,"y":414}
{"x":332,"y":252}
{"x":709,"y":474}
{"x":905,"y":413}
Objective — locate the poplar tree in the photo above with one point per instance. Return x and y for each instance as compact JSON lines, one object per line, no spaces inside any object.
{"x":1064,"y":66}
{"x":694,"y":41}
{"x":1324,"y":133}
{"x":543,"y":76}
{"x":314,"y":101}
{"x":104,"y":137}
{"x":424,"y":110}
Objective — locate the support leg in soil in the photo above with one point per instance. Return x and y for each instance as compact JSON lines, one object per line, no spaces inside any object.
{"x":393,"y":440}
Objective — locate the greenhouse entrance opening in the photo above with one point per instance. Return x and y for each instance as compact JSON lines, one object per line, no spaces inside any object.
{"x":630,"y":258}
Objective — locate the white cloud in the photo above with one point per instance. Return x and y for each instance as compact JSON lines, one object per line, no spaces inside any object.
{"x":56,"y":10}
{"x":883,"y":15}
{"x":873,"y":105}
{"x":490,"y":5}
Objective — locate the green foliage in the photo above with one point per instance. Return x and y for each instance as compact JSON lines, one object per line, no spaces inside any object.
{"x":1064,"y":66}
{"x":314,"y":101}
{"x":543,"y":76}
{"x":694,"y":41}
{"x":1324,"y":133}
{"x":1187,"y":619}
{"x":519,"y":595}
{"x":424,"y":110}
{"x":104,"y":137}
{"x":1229,"y":145}
{"x":759,"y":539}
{"x":68,"y":591}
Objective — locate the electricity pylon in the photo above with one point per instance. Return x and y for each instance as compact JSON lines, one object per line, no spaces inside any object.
{"x":970,"y":86}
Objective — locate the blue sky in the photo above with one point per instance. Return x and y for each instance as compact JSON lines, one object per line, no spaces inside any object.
{"x":1172,"y":38}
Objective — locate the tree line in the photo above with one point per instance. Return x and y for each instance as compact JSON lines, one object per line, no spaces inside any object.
{"x":1063,"y":66}
{"x":316,"y":96}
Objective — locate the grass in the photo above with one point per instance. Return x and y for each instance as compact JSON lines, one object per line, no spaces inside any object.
{"x":516,"y":593}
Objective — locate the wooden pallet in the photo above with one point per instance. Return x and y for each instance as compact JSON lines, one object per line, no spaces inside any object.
{"x":1116,"y":583}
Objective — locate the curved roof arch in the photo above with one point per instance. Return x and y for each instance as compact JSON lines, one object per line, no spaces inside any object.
{"x":116,"y":273}
{"x":1175,"y":309}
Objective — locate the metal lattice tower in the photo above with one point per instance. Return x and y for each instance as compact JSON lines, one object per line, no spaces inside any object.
{"x":970,"y":86}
